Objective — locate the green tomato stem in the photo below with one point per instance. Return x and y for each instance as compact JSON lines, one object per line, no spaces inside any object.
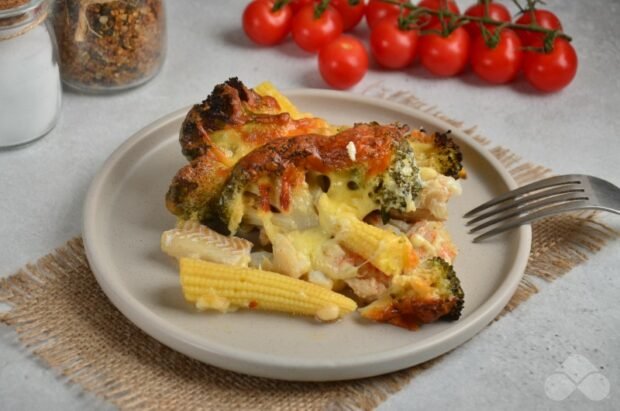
{"x":320,"y":8}
{"x":456,"y":20}
{"x":278,"y":4}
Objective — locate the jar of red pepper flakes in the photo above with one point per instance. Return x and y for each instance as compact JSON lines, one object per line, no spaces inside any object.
{"x":109,"y":45}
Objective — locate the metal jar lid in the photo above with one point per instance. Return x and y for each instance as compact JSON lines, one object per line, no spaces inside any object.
{"x":12,"y":4}
{"x":20,"y":16}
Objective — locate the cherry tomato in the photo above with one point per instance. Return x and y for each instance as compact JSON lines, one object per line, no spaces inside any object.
{"x":351,"y":15}
{"x":343,"y":62}
{"x":497,"y":11}
{"x":264,"y":26}
{"x":297,"y":5}
{"x":310,"y":33}
{"x":501,"y":63}
{"x":544,"y":18}
{"x":392,"y":47}
{"x":377,"y":10}
{"x":436,"y":5}
{"x":445,"y":56}
{"x":551,"y":71}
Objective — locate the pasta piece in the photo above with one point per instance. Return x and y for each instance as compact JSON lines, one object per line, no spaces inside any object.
{"x":224,"y":288}
{"x":261,"y":260}
{"x":390,"y":253}
{"x":266,"y":88}
{"x":194,"y":240}
{"x":287,"y":259}
{"x":318,"y":278}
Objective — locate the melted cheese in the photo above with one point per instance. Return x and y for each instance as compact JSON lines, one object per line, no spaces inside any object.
{"x":231,"y":143}
{"x":420,"y":286}
{"x":309,"y":242}
{"x":334,"y":261}
{"x":318,"y":278}
{"x":427,"y":173}
{"x":302,"y":240}
{"x":359,"y":199}
{"x":420,"y":242}
{"x":298,"y":252}
{"x":431,"y":239}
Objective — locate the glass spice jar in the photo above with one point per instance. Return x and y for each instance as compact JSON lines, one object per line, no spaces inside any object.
{"x":30,"y":89}
{"x":109,"y":45}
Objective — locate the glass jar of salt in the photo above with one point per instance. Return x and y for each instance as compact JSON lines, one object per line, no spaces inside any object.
{"x":30,"y":88}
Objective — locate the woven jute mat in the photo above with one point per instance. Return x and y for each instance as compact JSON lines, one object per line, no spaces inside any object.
{"x":63,"y":318}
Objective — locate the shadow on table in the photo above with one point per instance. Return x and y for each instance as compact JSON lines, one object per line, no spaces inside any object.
{"x":236,"y":37}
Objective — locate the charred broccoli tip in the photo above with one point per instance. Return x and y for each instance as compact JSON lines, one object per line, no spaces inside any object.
{"x":448,"y":159}
{"x":440,"y":153}
{"x":448,"y":285}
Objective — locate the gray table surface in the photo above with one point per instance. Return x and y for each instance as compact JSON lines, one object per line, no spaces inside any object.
{"x":507,"y":364}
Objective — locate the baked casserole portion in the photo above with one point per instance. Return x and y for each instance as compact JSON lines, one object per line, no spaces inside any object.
{"x":356,"y":211}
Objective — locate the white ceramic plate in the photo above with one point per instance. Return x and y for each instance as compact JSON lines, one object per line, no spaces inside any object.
{"x":124,"y":217}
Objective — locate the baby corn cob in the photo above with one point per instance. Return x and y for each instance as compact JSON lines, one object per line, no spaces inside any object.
{"x":222,"y":287}
{"x":387,"y":251}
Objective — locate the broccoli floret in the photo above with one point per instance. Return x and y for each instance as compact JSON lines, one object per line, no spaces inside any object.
{"x":432,"y":291}
{"x":194,"y":188}
{"x":229,"y":205}
{"x":397,"y":187}
{"x":447,"y":284}
{"x":438,"y":151}
{"x":230,"y":105}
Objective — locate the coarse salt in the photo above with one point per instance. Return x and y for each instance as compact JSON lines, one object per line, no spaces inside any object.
{"x":29,"y":85}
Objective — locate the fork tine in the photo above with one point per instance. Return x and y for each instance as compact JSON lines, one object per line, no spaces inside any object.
{"x":521,"y":202}
{"x":533,"y":206}
{"x":537,"y":185}
{"x":572,"y":206}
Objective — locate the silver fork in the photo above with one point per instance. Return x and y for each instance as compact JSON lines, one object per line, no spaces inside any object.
{"x":541,"y":199}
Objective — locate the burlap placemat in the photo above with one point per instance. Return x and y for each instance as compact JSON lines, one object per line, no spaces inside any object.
{"x":62,"y":317}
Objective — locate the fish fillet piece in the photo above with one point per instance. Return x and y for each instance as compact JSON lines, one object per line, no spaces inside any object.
{"x":193,"y":240}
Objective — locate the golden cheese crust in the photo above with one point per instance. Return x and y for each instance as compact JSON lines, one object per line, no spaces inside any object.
{"x":230,"y":123}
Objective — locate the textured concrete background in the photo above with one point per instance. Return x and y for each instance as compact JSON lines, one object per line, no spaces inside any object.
{"x":505,"y":366}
